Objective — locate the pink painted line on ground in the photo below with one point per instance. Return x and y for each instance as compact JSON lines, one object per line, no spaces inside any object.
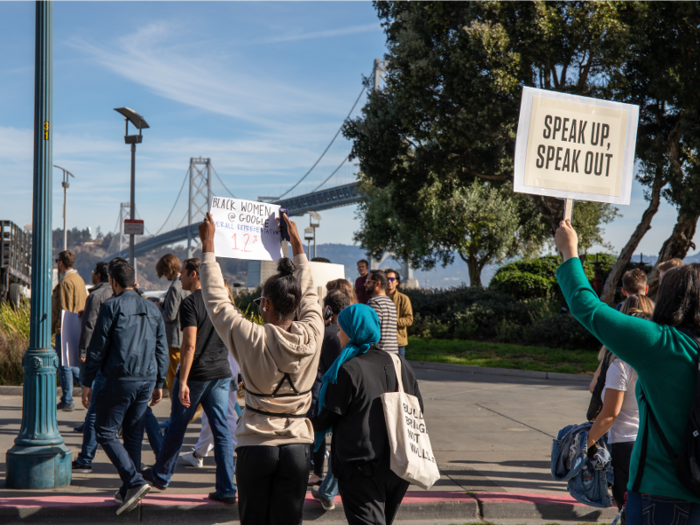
{"x":545,"y":499}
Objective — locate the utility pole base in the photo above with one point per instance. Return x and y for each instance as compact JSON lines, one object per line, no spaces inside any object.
{"x":42,"y":467}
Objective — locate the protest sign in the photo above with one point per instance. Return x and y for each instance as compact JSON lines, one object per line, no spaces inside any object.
{"x":70,"y":338}
{"x":575,"y":147}
{"x":246,"y":229}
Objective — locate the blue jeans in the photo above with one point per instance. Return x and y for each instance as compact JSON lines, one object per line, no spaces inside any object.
{"x":122,"y":404}
{"x":153,"y":431}
{"x":329,"y":487}
{"x":87,"y":454}
{"x":648,"y":509}
{"x":402,"y":351}
{"x":213,"y":395}
{"x":68,"y":374}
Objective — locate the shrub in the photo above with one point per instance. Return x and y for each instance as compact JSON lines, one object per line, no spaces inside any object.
{"x":14,"y":339}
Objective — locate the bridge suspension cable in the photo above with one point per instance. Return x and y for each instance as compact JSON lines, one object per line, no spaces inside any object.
{"x":222,"y":182}
{"x":176,"y":200}
{"x":327,"y":148}
{"x":329,"y":176}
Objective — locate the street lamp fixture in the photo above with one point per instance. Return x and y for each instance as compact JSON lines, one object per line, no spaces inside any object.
{"x":308,"y":237}
{"x":314,"y":225}
{"x":137,"y":120}
{"x":65,"y":185}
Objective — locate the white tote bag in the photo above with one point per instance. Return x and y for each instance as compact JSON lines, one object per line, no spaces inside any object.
{"x":411,"y":454}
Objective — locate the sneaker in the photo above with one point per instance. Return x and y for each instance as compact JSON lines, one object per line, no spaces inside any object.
{"x":192,"y":459}
{"x":79,"y":430}
{"x":133,"y":496}
{"x":66,"y":407}
{"x":118,"y":498}
{"x":327,"y":504}
{"x":148,"y":476}
{"x":314,"y":479}
{"x":228,"y":500}
{"x":80,"y":468}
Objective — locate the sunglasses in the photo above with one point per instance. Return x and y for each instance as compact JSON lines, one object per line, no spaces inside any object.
{"x":392,"y":279}
{"x":258,"y":300}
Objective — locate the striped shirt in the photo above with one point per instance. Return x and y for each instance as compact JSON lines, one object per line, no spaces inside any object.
{"x":386,"y":311}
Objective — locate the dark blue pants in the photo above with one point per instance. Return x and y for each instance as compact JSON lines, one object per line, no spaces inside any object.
{"x":213,"y":395}
{"x":122,"y":404}
{"x":153,"y":431}
{"x":648,"y":509}
{"x":87,"y":453}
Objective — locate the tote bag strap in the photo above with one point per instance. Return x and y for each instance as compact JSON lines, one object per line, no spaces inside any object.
{"x":397,"y":368}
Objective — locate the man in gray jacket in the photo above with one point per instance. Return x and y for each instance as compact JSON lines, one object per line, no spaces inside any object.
{"x":169,"y":267}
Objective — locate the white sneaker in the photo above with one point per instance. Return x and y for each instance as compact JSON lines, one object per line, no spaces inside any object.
{"x":192,"y":460}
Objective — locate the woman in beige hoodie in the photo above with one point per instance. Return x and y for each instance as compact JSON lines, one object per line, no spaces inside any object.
{"x":278,"y":362}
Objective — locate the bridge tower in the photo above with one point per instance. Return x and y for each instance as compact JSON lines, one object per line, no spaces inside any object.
{"x":200,"y":194}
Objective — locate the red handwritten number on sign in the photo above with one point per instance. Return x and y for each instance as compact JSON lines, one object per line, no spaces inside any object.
{"x":245,"y":246}
{"x":234,"y":241}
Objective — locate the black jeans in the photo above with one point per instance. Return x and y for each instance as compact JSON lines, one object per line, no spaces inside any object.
{"x":372,"y":500}
{"x":621,"y":454}
{"x":272,"y":483}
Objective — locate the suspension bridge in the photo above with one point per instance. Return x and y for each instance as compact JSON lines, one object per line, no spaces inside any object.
{"x":331,"y":182}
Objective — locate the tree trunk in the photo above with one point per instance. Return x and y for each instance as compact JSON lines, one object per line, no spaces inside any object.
{"x":626,"y":254}
{"x":676,"y":246}
{"x":474,"y":270}
{"x":551,"y":208}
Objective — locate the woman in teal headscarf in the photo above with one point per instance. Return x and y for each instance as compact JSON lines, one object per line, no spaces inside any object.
{"x":350,"y":404}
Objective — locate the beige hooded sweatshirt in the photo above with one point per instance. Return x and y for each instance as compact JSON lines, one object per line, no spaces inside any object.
{"x":265,"y":354}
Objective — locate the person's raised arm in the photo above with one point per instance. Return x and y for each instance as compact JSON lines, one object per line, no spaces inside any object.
{"x":228,"y":321}
{"x":309,"y":309}
{"x":632,"y":339}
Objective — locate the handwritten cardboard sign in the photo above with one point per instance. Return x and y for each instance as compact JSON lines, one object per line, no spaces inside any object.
{"x":575,"y":147}
{"x":246,"y":229}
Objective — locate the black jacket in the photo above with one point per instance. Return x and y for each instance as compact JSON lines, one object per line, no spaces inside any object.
{"x":354,"y":409}
{"x":98,"y":295}
{"x":128,"y":343}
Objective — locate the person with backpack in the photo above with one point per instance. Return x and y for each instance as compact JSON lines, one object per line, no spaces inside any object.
{"x":619,"y":416}
{"x":664,"y":353}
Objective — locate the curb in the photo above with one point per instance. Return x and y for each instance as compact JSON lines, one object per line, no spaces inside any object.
{"x":19,"y":390}
{"x":417,"y":506}
{"x":485,"y":370}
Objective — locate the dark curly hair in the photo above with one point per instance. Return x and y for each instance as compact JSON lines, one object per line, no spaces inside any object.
{"x":678,"y":299}
{"x":283,"y":290}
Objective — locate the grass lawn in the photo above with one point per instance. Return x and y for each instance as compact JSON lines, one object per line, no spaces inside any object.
{"x":476,"y":353}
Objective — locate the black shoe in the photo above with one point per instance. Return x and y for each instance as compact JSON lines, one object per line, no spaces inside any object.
{"x":79,"y":430}
{"x":148,"y":476}
{"x":133,"y":496}
{"x":77,"y":467}
{"x":65,"y":407}
{"x":228,"y":500}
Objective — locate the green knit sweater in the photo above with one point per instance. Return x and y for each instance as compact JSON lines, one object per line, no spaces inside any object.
{"x":665,"y":360}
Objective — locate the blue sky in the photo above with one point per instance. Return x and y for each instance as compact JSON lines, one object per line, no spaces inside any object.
{"x":260,"y":88}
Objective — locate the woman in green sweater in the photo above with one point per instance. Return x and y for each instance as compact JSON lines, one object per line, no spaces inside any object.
{"x":666,"y":361}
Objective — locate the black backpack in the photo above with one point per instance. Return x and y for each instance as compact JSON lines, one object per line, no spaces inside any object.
{"x":687,"y":463}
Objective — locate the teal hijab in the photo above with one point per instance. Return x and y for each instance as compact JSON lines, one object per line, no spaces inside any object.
{"x":361,"y":324}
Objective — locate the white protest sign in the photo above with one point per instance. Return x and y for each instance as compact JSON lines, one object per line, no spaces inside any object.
{"x":70,"y":338}
{"x":575,"y":147}
{"x":246,"y":229}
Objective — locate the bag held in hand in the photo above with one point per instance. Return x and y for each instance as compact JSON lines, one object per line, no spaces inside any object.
{"x":411,"y":454}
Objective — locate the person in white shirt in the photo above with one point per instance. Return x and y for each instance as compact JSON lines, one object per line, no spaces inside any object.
{"x":619,"y":416}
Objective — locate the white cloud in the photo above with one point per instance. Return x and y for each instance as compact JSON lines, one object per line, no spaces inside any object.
{"x":352,"y":30}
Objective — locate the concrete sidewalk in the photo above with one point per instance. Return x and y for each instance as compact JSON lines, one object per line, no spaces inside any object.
{"x":491,"y":435}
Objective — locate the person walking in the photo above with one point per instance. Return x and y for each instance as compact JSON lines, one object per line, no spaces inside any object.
{"x":204,"y":377}
{"x":350,"y":404}
{"x":169,"y":266}
{"x":360,"y":290}
{"x":377,"y":285}
{"x":101,"y":292}
{"x":69,"y":295}
{"x":664,"y":354}
{"x":129,"y":348}
{"x":278,"y":362}
{"x":404,"y":310}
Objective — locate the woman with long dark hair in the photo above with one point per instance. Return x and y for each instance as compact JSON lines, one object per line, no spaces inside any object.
{"x":278,"y":362}
{"x":664,"y":354}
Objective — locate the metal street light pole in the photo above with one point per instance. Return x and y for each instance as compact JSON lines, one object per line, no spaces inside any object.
{"x":314,"y":225}
{"x":39,"y":459}
{"x":65,"y":185}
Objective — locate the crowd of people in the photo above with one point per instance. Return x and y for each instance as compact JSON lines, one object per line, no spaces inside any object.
{"x":312,"y":367}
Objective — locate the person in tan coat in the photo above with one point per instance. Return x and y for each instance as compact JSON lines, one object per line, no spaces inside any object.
{"x":278,"y":362}
{"x":69,"y":295}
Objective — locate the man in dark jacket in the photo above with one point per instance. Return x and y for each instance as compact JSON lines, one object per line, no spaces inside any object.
{"x":88,"y":317}
{"x":129,"y":348}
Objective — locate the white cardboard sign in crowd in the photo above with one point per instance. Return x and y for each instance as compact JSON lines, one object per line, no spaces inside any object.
{"x":575,"y":147}
{"x":246,"y":229}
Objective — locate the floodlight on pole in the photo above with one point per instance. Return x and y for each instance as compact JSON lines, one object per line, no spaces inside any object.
{"x":308,"y":237}
{"x":65,"y":185}
{"x":140,"y":123}
{"x":314,"y":225}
